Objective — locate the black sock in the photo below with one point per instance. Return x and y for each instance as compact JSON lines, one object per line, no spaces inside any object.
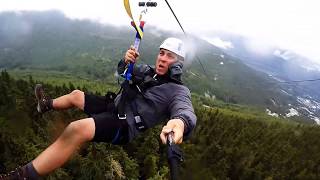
{"x":49,"y":104}
{"x":31,"y":171}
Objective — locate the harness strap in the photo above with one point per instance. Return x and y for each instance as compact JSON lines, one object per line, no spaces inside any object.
{"x":128,"y":10}
{"x":128,"y":73}
{"x":122,"y":103}
{"x":140,"y":124}
{"x":128,"y":95}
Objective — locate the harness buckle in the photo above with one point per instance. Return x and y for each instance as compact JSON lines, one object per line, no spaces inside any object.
{"x":137,"y":119}
{"x":139,"y":122}
{"x":122,"y":117}
{"x":138,"y":88}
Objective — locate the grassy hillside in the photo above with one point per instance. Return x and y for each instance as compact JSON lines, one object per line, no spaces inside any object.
{"x":49,"y":42}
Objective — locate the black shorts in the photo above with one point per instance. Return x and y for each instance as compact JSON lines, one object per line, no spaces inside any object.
{"x":108,"y":127}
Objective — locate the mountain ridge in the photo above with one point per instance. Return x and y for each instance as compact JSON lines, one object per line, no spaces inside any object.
{"x":50,"y":41}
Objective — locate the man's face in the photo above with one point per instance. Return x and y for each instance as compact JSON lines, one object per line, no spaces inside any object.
{"x":164,"y":60}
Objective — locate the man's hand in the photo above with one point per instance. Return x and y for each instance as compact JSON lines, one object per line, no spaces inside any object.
{"x":177,"y":127}
{"x":131,"y":55}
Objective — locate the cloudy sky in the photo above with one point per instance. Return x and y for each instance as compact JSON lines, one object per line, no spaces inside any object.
{"x":290,"y":24}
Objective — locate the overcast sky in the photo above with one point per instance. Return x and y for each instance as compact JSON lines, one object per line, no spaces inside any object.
{"x":291,"y":24}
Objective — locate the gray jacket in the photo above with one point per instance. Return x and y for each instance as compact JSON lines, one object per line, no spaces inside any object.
{"x":159,"y":103}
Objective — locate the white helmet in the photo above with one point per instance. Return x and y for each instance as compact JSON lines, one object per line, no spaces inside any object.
{"x":174,"y":45}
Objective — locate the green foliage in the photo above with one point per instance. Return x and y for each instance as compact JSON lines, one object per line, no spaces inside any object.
{"x":228,"y":144}
{"x":231,"y":141}
{"x":24,"y":134}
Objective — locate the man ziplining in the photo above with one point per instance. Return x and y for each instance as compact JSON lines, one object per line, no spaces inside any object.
{"x":152,"y":96}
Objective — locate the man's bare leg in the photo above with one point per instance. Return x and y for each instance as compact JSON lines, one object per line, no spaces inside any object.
{"x":73,"y":99}
{"x":45,"y":103}
{"x":75,"y":134}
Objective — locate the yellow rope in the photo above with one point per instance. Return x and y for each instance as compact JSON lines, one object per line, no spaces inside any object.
{"x":128,"y":9}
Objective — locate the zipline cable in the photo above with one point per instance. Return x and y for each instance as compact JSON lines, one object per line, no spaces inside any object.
{"x":293,"y":81}
{"x":184,"y":32}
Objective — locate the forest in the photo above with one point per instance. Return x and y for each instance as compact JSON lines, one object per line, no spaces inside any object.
{"x":228,"y":142}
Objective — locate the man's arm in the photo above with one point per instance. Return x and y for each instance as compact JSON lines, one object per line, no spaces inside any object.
{"x":183,"y":119}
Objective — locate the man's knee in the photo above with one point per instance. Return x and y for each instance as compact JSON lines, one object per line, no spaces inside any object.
{"x":77,"y":98}
{"x":81,"y":130}
{"x":77,"y":94}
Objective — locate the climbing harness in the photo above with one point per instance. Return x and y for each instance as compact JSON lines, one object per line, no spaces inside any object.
{"x":128,"y":89}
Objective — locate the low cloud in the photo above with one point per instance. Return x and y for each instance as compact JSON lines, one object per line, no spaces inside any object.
{"x":220,"y":43}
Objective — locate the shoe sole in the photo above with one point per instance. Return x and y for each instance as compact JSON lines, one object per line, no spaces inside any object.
{"x":38,"y":96}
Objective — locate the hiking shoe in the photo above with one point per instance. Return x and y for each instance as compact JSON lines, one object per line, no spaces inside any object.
{"x":44,"y":102}
{"x":19,"y":173}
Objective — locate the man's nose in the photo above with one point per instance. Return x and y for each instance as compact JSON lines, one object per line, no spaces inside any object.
{"x":163,"y":59}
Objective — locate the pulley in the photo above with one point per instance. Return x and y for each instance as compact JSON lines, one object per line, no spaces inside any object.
{"x":148,"y":4}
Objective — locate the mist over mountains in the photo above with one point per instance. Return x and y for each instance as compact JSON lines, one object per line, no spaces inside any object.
{"x":297,"y":74}
{"x":49,"y":41}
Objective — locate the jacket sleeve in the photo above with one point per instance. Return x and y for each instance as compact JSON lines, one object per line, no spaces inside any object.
{"x":121,"y":67}
{"x":181,"y":107}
